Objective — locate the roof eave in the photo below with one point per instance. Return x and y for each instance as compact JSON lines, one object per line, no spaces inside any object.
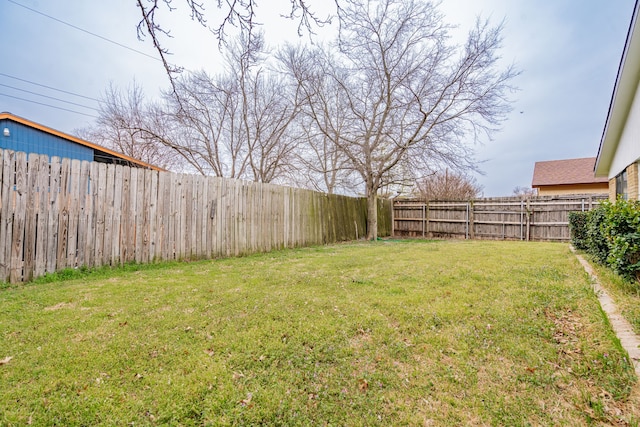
{"x":77,"y":140}
{"x":623,"y":94}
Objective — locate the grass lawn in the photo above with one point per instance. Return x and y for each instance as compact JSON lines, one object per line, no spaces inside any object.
{"x":386,"y":333}
{"x":625,"y":293}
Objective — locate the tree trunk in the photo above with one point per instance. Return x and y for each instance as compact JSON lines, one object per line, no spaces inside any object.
{"x":372,"y":215}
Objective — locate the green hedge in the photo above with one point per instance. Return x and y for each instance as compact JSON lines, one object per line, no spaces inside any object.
{"x":597,"y":242}
{"x":611,"y":234}
{"x":622,"y":230}
{"x":578,"y":229}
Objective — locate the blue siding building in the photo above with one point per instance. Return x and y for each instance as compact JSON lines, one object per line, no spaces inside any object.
{"x":19,"y":134}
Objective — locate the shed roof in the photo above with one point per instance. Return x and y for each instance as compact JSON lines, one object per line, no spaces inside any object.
{"x":563,"y":172}
{"x":124,"y":157}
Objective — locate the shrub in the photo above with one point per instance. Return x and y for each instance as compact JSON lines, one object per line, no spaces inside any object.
{"x":622,"y":230}
{"x":578,"y":229}
{"x":596,"y":241}
{"x":611,"y":235}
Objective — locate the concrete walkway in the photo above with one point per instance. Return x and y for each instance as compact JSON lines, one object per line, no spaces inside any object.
{"x":629,"y":340}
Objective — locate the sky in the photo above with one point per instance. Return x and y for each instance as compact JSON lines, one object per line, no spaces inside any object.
{"x":568,"y":52}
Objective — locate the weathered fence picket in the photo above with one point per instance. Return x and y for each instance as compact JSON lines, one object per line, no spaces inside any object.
{"x":20,"y":203}
{"x":6,"y":215}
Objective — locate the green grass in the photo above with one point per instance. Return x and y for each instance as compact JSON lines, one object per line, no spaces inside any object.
{"x":384,"y":333}
{"x":624,"y":292}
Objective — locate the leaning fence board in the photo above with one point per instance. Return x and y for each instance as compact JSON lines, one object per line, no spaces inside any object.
{"x":53,"y":217}
{"x":30,"y":231}
{"x":73,"y":199}
{"x":210,"y":228}
{"x":116,"y":216}
{"x":20,"y":203}
{"x":200,"y":215}
{"x":173,"y":218}
{"x":186,"y":212}
{"x":63,"y":217}
{"x":143,"y":227}
{"x":109,"y":213}
{"x":83,"y":198}
{"x":130,"y":221}
{"x":216,"y":210}
{"x":92,"y":182}
{"x":6,"y":212}
{"x":127,"y":220}
{"x":161,"y":220}
{"x":100,"y":207}
{"x":137,"y":203}
{"x":229,"y":217}
{"x":181,"y":213}
{"x":197,"y":214}
{"x":41,"y":201}
{"x":152,"y":198}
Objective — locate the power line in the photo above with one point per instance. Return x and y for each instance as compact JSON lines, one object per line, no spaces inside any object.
{"x":49,"y":87}
{"x":84,"y":31}
{"x":48,"y":105}
{"x":50,"y":97}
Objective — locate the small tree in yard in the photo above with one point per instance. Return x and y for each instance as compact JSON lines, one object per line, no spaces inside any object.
{"x":448,"y":186}
{"x":524,"y":192}
{"x":408,"y":99}
{"x":123,"y":124}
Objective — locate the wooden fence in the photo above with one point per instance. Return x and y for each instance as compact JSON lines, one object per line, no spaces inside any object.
{"x":538,"y":218}
{"x":61,"y":213}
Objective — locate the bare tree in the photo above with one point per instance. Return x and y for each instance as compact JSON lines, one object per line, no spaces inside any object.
{"x":320,"y":166}
{"x":237,"y":124}
{"x":270,"y":105}
{"x":448,"y":185}
{"x":240,"y":14}
{"x":264,"y":125}
{"x":198,"y":123}
{"x":123,"y":124}
{"x":524,"y":192}
{"x":408,"y":98}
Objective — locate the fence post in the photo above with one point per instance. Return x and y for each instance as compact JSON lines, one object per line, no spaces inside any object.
{"x":427,"y":218}
{"x":466,"y":224}
{"x":521,"y":219}
{"x":393,"y":217}
{"x":472,"y":232}
{"x":528,"y":219}
{"x":423,"y":221}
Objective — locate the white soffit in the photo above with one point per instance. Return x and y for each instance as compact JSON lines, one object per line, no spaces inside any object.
{"x":622,"y":98}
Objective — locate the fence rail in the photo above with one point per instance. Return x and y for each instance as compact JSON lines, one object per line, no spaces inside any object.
{"x":539,"y":218}
{"x":61,"y":213}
